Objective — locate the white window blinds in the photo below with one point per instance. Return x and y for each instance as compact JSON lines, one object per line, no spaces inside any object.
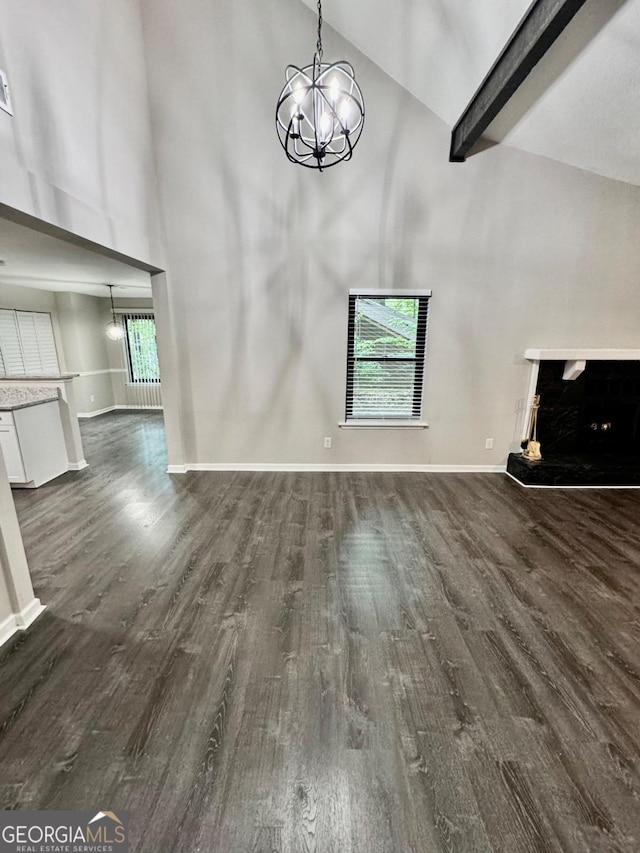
{"x":141,"y":348}
{"x":27,"y":344}
{"x":385,"y":360}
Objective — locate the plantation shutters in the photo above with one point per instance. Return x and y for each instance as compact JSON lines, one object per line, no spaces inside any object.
{"x":12,"y":361}
{"x":27,"y":344}
{"x":386,"y":354}
{"x":46,"y":343}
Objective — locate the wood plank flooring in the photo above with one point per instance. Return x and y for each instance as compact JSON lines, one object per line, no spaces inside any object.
{"x":338,"y":663}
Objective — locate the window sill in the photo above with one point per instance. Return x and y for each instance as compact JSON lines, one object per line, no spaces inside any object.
{"x":372,"y":423}
{"x":142,"y":384}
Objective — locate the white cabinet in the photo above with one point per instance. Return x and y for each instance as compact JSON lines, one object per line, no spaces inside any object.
{"x":11,"y":452}
{"x":33,"y":445}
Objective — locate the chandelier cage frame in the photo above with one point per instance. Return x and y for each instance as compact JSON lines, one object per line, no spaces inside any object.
{"x":320,"y":111}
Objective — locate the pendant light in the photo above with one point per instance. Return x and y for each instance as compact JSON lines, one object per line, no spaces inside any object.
{"x":114,"y":330}
{"x":320,"y":111}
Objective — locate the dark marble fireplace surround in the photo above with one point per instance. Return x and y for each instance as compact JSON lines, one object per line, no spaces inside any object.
{"x":589,"y":427}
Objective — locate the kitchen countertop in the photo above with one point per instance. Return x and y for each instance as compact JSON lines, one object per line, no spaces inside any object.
{"x":21,"y":396}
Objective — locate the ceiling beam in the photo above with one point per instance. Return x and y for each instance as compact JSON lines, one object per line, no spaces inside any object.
{"x":534,"y":35}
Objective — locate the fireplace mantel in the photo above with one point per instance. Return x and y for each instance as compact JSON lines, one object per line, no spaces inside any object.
{"x":581,"y":354}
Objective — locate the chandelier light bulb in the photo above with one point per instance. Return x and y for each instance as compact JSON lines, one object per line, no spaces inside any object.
{"x":115,"y":331}
{"x":325,"y":126}
{"x":320,"y":111}
{"x":344,"y":114}
{"x":298,"y":93}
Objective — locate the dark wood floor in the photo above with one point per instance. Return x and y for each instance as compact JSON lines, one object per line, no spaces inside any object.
{"x":326,"y":662}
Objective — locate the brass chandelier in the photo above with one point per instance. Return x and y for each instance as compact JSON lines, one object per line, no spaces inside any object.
{"x":320,"y":111}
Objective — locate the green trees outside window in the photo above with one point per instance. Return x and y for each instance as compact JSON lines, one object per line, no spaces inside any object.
{"x":142,"y":351}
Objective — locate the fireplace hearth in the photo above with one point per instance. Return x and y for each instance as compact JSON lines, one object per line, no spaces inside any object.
{"x":589,"y":427}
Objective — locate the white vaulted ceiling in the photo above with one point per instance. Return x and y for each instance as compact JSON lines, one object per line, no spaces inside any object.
{"x":580,"y":105}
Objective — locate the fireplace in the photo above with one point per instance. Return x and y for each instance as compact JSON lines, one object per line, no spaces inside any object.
{"x":588,"y":427}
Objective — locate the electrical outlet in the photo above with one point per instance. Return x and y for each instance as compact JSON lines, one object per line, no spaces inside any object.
{"x":93,"y":398}
{"x":488,"y":445}
{"x":327,"y":442}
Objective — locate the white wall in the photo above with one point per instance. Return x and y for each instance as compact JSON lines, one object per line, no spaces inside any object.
{"x":77,"y":151}
{"x":518,"y":250}
{"x":82,"y":321}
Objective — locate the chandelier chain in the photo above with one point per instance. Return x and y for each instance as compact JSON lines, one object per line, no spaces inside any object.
{"x":319,"y":43}
{"x":113,"y":309}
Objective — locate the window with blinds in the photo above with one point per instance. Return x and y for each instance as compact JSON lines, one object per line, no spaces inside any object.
{"x":386,"y":353}
{"x":141,"y":349}
{"x":27,"y":344}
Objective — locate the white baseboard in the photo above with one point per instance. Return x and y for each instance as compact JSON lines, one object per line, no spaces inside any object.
{"x":535,"y":486}
{"x":96,"y":413}
{"x":117,"y":408}
{"x":346,"y":467}
{"x":7,"y":629}
{"x":78,"y":466}
{"x":372,"y":468}
{"x":20,"y":621}
{"x":29,"y":614}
